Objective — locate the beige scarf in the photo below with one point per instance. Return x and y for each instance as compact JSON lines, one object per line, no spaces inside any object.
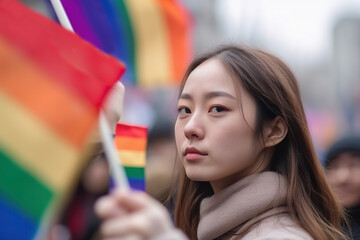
{"x":239,"y":205}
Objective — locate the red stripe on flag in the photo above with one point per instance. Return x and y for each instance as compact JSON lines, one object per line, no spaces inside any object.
{"x":127,"y":130}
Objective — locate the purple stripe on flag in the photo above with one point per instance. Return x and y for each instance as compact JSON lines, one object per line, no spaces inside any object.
{"x":80,"y":22}
{"x":100,"y":21}
{"x":137,"y":184}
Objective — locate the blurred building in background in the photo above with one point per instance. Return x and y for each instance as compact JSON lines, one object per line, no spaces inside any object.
{"x":346,"y":41}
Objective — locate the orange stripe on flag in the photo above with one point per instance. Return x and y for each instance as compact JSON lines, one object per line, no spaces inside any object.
{"x":178,"y":27}
{"x":129,"y":143}
{"x":34,"y":93}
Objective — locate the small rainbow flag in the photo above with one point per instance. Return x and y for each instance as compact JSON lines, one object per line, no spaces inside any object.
{"x":130,"y":142}
{"x":52,"y":85}
{"x":152,"y":37}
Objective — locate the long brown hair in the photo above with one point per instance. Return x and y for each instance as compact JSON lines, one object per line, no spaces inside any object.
{"x":273,"y":86}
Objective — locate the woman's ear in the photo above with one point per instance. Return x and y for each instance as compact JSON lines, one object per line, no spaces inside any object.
{"x":275,"y":131}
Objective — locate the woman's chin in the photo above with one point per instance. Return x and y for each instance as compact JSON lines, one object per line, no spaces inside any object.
{"x":200,"y":177}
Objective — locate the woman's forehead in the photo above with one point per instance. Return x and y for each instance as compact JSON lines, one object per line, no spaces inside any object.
{"x":210,"y":74}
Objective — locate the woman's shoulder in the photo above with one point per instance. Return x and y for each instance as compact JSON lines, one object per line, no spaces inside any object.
{"x":279,"y":227}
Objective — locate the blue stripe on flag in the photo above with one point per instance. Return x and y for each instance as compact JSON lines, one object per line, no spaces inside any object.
{"x":13,"y":224}
{"x":137,"y":183}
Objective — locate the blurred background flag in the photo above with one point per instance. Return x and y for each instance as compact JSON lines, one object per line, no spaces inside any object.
{"x":52,"y":85}
{"x":152,"y":37}
{"x":130,"y":142}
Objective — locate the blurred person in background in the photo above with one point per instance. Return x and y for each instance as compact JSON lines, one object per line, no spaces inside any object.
{"x":160,"y":165}
{"x":79,"y":217}
{"x":342,"y":163}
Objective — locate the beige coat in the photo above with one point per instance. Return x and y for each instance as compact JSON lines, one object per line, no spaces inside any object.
{"x":256,"y":203}
{"x":280,"y":227}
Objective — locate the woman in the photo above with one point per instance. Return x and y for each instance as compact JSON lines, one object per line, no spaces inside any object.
{"x":248,"y":167}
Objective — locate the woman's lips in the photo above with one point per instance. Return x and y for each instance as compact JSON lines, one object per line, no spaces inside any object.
{"x":193,"y":154}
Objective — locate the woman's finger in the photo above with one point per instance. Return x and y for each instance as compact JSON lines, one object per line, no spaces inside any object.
{"x":107,"y":207}
{"x":136,"y":225}
{"x":113,"y":106}
{"x":134,"y":200}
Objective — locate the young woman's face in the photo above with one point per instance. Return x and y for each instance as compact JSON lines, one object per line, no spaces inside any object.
{"x":215,"y":126}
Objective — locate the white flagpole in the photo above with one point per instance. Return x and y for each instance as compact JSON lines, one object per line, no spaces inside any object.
{"x":118,"y":171}
{"x":61,"y":14}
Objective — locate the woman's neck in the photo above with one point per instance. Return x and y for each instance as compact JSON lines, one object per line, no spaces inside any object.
{"x":223,"y":183}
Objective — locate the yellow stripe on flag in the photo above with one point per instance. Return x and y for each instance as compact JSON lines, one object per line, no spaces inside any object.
{"x":152,"y":43}
{"x":23,"y":138}
{"x":132,"y":158}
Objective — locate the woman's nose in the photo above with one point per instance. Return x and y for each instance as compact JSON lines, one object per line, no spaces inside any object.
{"x":194,"y":128}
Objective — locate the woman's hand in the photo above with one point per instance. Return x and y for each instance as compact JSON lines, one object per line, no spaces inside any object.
{"x":113,"y":106}
{"x":132,"y":215}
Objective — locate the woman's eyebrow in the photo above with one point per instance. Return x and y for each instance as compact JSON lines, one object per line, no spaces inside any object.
{"x":219,"y":94}
{"x":209,"y":95}
{"x":185,"y":96}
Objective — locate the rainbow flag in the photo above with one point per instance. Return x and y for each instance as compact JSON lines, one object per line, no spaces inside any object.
{"x":152,"y":37}
{"x":130,"y":142}
{"x":52,"y":84}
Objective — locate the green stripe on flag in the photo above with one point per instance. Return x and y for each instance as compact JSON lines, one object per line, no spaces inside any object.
{"x":135,"y":172}
{"x":127,"y":26}
{"x":27,"y":192}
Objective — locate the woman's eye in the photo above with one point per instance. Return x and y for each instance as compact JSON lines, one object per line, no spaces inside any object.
{"x":217,"y":109}
{"x":184,"y":110}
